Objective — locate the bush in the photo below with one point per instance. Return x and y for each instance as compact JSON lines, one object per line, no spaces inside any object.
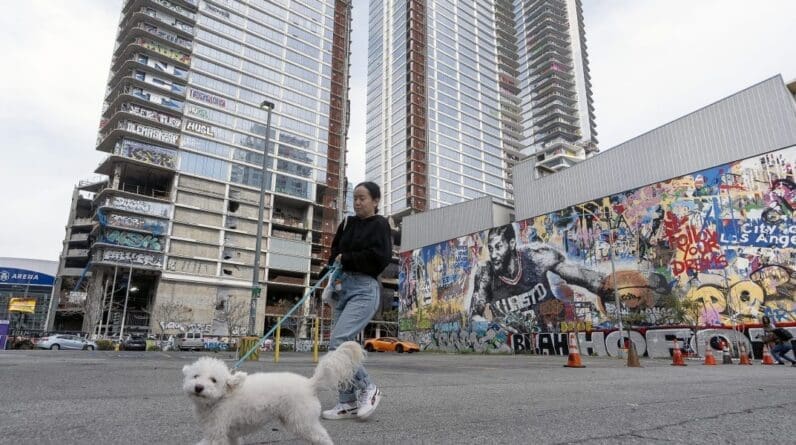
{"x":104,"y":345}
{"x":152,"y":347}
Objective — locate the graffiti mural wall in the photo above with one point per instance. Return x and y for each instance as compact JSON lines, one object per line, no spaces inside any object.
{"x":716,"y":248}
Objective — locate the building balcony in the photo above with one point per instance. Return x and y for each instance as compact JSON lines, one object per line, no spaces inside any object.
{"x":74,"y":272}
{"x":183,"y":9}
{"x":125,"y":110}
{"x":553,"y":106}
{"x":546,"y":13}
{"x":107,"y":140}
{"x":149,"y":202}
{"x":149,"y":46}
{"x":552,"y":7}
{"x":134,"y":63}
{"x":152,"y":29}
{"x":119,"y":256}
{"x":554,"y":88}
{"x":139,"y":102}
{"x":79,"y":238}
{"x":77,"y":253}
{"x":537,"y":63}
{"x":549,"y":27}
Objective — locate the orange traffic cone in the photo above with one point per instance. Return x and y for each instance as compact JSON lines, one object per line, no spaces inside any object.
{"x":710,"y":360}
{"x":744,"y":356}
{"x":574,"y":356}
{"x":767,"y":358}
{"x":677,"y":356}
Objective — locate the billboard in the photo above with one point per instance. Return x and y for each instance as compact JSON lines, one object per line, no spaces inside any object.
{"x":10,"y":275}
{"x":26,"y":305}
{"x":723,"y":239}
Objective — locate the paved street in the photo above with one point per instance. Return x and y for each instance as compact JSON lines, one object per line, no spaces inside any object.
{"x":82,"y":397}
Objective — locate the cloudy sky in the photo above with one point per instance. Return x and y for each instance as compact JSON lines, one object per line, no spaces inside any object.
{"x":651,"y":62}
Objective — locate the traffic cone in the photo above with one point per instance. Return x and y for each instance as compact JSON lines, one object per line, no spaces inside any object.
{"x":574,"y":356}
{"x":677,"y":356}
{"x":767,"y":358}
{"x":710,"y":360}
{"x":726,"y":359}
{"x":744,"y":356}
{"x":632,"y":357}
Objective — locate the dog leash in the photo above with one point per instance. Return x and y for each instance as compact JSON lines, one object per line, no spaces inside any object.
{"x":329,"y":274}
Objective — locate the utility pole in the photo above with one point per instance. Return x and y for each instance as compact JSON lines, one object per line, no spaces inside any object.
{"x":269,"y":106}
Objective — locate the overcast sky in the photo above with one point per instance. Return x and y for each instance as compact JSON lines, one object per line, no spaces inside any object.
{"x":651,"y":62}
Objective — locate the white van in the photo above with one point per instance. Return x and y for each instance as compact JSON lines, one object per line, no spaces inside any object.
{"x":190,"y":341}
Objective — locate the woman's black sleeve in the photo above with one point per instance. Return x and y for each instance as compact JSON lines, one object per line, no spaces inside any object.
{"x":336,"y":244}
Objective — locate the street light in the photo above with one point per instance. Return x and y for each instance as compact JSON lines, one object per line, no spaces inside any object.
{"x":269,"y":107}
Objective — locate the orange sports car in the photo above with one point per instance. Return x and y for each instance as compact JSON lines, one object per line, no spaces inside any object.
{"x":382,"y":344}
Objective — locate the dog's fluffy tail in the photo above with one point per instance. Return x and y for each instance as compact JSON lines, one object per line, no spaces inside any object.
{"x":338,"y":367}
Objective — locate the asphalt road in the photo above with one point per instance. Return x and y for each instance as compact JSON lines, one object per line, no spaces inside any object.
{"x":83,"y":397}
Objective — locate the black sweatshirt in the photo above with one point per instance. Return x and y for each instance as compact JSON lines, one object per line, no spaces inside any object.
{"x":365,"y":245}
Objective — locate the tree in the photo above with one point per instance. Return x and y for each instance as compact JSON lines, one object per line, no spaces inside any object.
{"x":236,"y":315}
{"x":170,"y":312}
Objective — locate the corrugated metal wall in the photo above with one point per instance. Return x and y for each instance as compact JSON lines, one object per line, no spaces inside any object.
{"x":756,"y":120}
{"x":422,"y":229}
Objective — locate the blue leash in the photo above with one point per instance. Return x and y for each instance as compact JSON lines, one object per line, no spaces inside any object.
{"x":329,"y":274}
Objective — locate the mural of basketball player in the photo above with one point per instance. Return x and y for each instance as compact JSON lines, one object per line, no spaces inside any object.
{"x":516,"y":279}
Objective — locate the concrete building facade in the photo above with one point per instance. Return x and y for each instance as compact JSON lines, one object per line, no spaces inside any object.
{"x":172,"y":242}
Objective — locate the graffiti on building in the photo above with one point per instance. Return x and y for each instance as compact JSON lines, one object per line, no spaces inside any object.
{"x":208,"y":98}
{"x":204,"y":328}
{"x":164,"y":50}
{"x":154,"y":226}
{"x":133,"y":239}
{"x":125,"y":257}
{"x":139,"y":206}
{"x":191,"y":266}
{"x":147,"y":153}
{"x":722,"y":240}
{"x":168,"y":137}
{"x":165,"y":35}
{"x":147,"y":95}
{"x":151,"y":115}
{"x":200,"y":128}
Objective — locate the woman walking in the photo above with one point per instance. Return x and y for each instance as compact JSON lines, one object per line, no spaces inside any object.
{"x":363,"y":246}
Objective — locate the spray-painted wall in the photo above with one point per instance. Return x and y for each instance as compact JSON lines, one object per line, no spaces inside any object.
{"x":723,"y":237}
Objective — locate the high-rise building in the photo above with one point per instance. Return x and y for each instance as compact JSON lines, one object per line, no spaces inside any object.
{"x":554,"y":84}
{"x":185,"y":121}
{"x":459,"y":91}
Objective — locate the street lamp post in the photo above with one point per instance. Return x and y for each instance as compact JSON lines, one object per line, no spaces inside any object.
{"x":269,"y":106}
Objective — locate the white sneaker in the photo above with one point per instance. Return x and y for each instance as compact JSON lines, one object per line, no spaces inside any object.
{"x":341,"y":411}
{"x":368,"y":401}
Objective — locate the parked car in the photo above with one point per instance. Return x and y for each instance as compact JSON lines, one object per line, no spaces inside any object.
{"x":134,"y":343}
{"x":383,"y":344}
{"x":189,"y":341}
{"x":65,"y":341}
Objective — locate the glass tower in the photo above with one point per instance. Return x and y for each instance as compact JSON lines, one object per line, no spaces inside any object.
{"x":451,"y":97}
{"x":185,"y":131}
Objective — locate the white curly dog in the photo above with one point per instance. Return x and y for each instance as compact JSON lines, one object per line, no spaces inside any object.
{"x":231,"y":405}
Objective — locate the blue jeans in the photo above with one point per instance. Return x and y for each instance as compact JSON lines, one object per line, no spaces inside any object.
{"x":779,"y":351}
{"x":357,"y":302}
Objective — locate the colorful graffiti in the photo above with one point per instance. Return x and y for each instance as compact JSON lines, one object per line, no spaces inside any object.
{"x":713,"y":248}
{"x":133,"y":239}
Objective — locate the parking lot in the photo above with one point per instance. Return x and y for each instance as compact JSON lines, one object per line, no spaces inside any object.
{"x":80,"y":397}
